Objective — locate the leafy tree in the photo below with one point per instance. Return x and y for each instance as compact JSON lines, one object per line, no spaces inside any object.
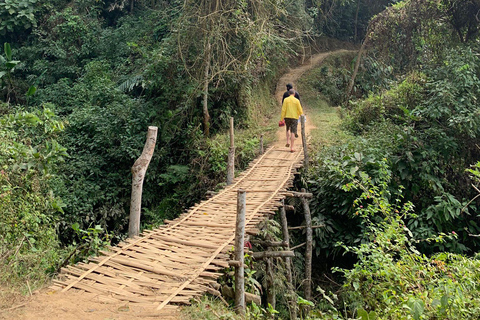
{"x":17,"y":14}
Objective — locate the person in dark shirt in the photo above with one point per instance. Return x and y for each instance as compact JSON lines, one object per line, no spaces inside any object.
{"x":286,"y":94}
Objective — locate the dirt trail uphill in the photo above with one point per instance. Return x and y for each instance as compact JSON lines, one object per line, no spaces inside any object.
{"x":152,"y":275}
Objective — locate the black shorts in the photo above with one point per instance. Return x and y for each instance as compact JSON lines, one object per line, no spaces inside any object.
{"x":291,"y":124}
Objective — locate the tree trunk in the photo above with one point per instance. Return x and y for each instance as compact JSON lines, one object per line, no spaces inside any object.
{"x":138,"y":174}
{"x":355,"y":71}
{"x":206,"y":80}
{"x":356,"y":21}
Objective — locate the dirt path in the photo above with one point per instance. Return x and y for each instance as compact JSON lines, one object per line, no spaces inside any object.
{"x":291,"y":77}
{"x":49,"y":304}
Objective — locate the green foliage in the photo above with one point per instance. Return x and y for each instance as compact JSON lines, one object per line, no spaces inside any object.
{"x":91,"y":241}
{"x":437,"y":113}
{"x":396,"y":105}
{"x":332,"y":78}
{"x":29,"y":210}
{"x":7,"y":67}
{"x":345,"y":19}
{"x":393,"y":279}
{"x":17,"y":14}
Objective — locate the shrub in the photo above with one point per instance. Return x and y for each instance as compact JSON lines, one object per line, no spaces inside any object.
{"x":394,"y":280}
{"x":29,"y":210}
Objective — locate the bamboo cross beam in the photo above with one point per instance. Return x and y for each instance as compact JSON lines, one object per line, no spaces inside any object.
{"x":270,"y":243}
{"x":299,"y":194}
{"x":272,"y":254}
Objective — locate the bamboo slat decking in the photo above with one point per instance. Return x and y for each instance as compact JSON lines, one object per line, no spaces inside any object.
{"x":170,"y":265}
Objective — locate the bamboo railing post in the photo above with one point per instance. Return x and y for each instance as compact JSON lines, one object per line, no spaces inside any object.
{"x":308,"y":249}
{"x":138,"y":174}
{"x":239,"y":254}
{"x":231,"y":156}
{"x":270,"y":286}
{"x":292,"y":304}
{"x":304,"y":142}
{"x":261,"y":144}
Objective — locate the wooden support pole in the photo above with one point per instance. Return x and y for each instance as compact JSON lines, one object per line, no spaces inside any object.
{"x":298,"y":194}
{"x":234,"y":263}
{"x":272,"y":254}
{"x":239,"y":254}
{"x":292,"y":304}
{"x":138,"y":174}
{"x":270,"y":285}
{"x":304,"y":142}
{"x":270,"y":243}
{"x":308,"y":250}
{"x":231,"y":156}
{"x":261,"y":144}
{"x":303,"y":227}
{"x":249,"y":297}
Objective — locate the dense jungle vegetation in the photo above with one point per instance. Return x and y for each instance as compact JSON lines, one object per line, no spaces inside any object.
{"x":81,"y":81}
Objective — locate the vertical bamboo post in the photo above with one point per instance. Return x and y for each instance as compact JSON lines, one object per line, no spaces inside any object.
{"x":138,"y":174}
{"x":304,"y":142}
{"x":308,"y":249}
{"x":292,"y":305}
{"x":231,"y":156}
{"x":270,"y":286}
{"x":261,"y":144}
{"x":239,"y":254}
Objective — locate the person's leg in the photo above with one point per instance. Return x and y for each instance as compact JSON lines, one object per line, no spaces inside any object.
{"x":288,"y":137}
{"x":293,"y":130}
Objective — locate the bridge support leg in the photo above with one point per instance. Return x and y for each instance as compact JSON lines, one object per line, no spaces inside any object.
{"x":292,"y":304}
{"x":270,"y":286}
{"x":239,"y":253}
{"x":308,"y":249}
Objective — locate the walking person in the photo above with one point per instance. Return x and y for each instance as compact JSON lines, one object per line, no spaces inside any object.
{"x":286,"y":94}
{"x":291,"y":111}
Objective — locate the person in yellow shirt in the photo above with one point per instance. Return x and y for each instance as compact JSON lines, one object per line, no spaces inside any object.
{"x":291,"y":111}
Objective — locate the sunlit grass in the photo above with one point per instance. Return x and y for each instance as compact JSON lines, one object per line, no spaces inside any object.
{"x":208,"y":308}
{"x":324,"y":117}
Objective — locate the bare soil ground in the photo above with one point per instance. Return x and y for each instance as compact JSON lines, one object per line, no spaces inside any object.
{"x":47,"y":304}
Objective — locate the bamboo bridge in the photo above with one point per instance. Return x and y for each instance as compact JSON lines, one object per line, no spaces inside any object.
{"x":167,"y":267}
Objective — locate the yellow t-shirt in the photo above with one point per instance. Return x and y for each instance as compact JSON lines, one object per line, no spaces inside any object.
{"x":291,"y":108}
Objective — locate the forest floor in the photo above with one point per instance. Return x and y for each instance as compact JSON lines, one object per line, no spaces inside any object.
{"x":72,"y":305}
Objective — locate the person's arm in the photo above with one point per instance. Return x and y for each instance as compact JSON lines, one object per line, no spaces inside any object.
{"x":297,"y":95}
{"x":284,"y":110}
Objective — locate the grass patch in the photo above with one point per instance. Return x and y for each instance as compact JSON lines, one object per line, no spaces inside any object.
{"x":325,"y":118}
{"x":208,"y":308}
